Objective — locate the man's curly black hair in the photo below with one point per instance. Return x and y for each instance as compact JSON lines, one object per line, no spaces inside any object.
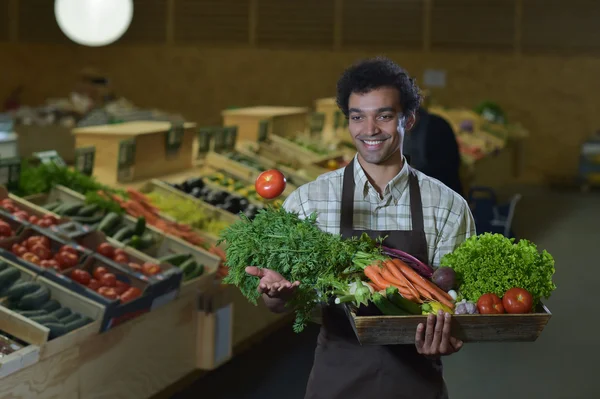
{"x":374,"y":73}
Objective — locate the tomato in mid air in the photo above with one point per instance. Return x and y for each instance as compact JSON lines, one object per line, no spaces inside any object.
{"x":517,"y":300}
{"x":270,"y":184}
{"x":490,"y":304}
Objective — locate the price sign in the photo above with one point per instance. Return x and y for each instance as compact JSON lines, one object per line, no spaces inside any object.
{"x":204,"y":139}
{"x":263,"y":131}
{"x":50,"y":157}
{"x":84,"y":160}
{"x":231,"y":133}
{"x":316,"y":122}
{"x":220,"y":139}
{"x":174,"y":138}
{"x":126,"y":159}
{"x":10,"y":172}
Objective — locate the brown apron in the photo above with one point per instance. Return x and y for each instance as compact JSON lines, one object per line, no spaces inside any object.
{"x":345,"y":369}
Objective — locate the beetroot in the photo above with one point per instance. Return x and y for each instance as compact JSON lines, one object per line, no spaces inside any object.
{"x":445,"y":278}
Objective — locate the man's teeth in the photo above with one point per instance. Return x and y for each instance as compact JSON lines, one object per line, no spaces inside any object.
{"x":375,"y":142}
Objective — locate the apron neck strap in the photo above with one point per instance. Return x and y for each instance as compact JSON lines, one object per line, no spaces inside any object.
{"x":347,"y":206}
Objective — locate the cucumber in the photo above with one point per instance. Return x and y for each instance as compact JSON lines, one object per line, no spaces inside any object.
{"x":399,"y":301}
{"x":70,"y":318}
{"x":9,"y":276}
{"x":56,"y":329}
{"x":193,"y":273}
{"x":174,"y":259}
{"x":51,"y":206}
{"x":386,"y":307}
{"x":18,"y":290}
{"x":88,"y":210}
{"x":140,"y":226}
{"x":61,"y":313}
{"x":32,"y":313}
{"x":51,"y":306}
{"x":71,"y":210}
{"x":146,"y":240}
{"x":124,"y":233}
{"x":44,"y":319}
{"x":74,"y":325}
{"x":109,"y":222}
{"x":3,"y":265}
{"x":88,"y":219}
{"x":188,"y":268}
{"x":35,"y":300}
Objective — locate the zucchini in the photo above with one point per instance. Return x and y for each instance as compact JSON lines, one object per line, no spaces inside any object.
{"x":70,"y":318}
{"x":61,"y":313}
{"x":56,"y":329}
{"x":44,"y":319}
{"x":193,"y":273}
{"x":140,"y":226}
{"x":110,"y":221}
{"x":71,"y":210}
{"x":146,"y":240}
{"x":35,"y":300}
{"x":32,"y":313}
{"x":399,"y":301}
{"x":18,"y":290}
{"x":386,"y":307}
{"x":74,"y":325}
{"x":51,"y":305}
{"x":188,"y":268}
{"x":88,"y":210}
{"x":8,"y":276}
{"x":87,"y":219}
{"x":174,"y":259}
{"x":51,"y":206}
{"x":3,"y":265}
{"x":124,"y":233}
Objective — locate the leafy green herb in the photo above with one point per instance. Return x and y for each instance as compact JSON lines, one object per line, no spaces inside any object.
{"x":106,"y":204}
{"x":494,"y":263}
{"x":298,"y":250}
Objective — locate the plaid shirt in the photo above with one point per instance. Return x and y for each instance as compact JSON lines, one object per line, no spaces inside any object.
{"x":447,"y":218}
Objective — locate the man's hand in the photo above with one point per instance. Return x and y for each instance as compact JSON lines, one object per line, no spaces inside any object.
{"x":434,"y":339}
{"x":276,"y":290}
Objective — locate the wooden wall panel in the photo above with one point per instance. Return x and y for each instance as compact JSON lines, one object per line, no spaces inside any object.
{"x":37,"y":23}
{"x":302,"y":23}
{"x":211,"y":21}
{"x":4,"y":18}
{"x":473,"y":24}
{"x":148,"y":25}
{"x":389,"y":24}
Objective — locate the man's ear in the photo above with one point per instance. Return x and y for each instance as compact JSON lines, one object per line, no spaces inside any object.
{"x":408,"y":121}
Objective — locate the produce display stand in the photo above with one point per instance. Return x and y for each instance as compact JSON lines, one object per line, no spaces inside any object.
{"x":335,"y":122}
{"x":281,"y":120}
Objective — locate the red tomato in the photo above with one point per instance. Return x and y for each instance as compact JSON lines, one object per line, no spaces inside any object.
{"x":130,"y":294}
{"x":136,"y":267}
{"x":94,"y":284}
{"x":81,"y":276}
{"x":121,"y":287}
{"x":5,"y":229}
{"x":45,"y":223}
{"x":105,"y":249}
{"x":18,"y":249}
{"x":99,"y":272}
{"x":51,"y":219}
{"x":10,"y":208}
{"x":31,"y":241}
{"x":21,"y":215}
{"x":66,"y":259}
{"x":33,"y":219}
{"x":54,"y":264}
{"x":108,"y":280}
{"x":270,"y":184}
{"x":490,"y":304}
{"x":45,"y":263}
{"x":69,"y":249}
{"x":108,"y":292}
{"x":121,"y":258}
{"x":33,"y":258}
{"x":150,"y":269}
{"x":7,"y":201}
{"x":517,"y":300}
{"x":41,"y":251}
{"x":120,"y":251}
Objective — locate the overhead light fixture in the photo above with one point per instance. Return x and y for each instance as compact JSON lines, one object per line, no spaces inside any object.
{"x":93,"y":22}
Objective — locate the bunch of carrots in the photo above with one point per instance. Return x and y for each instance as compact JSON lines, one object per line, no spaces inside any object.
{"x":411,"y":285}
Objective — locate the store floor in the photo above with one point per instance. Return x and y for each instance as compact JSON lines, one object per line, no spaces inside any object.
{"x":562,"y":364}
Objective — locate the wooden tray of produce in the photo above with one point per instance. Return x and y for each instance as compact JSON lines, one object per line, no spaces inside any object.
{"x":397,"y":330}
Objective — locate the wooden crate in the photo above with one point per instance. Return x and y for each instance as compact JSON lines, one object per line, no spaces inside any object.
{"x":284,"y":121}
{"x":145,"y":142}
{"x":25,"y":330}
{"x":397,"y":330}
{"x":214,"y":328}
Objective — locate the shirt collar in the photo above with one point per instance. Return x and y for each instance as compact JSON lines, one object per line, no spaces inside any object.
{"x":394,"y":188}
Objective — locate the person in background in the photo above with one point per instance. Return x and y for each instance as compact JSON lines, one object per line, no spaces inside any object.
{"x":379,"y":194}
{"x":431,"y":148}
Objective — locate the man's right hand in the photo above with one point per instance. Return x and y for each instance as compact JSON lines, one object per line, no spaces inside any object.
{"x":276,"y":290}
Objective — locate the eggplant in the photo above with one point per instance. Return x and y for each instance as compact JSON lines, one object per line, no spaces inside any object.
{"x":196,"y":192}
{"x":244,"y":204}
{"x":204,"y":192}
{"x":194,"y":182}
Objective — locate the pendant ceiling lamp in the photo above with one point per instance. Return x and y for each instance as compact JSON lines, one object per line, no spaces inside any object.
{"x":93,"y":22}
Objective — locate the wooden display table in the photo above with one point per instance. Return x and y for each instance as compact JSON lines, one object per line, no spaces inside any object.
{"x":283,"y":121}
{"x":335,"y":122}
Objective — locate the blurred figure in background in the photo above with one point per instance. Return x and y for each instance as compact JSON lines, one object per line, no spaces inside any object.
{"x":431,"y":148}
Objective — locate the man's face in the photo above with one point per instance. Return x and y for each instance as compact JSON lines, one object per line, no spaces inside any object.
{"x":376,"y":125}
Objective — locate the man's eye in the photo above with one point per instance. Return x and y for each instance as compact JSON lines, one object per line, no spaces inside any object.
{"x":355,"y":118}
{"x":386,"y":116}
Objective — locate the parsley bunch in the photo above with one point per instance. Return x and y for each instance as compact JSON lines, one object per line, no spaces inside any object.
{"x":493,"y":263}
{"x":297,"y":249}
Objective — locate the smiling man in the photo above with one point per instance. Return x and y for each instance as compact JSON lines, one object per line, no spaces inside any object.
{"x":380,"y":194}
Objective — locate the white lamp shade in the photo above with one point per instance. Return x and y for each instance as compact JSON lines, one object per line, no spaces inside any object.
{"x":93,"y":22}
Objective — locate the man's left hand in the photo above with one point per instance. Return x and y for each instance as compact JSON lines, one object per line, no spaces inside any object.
{"x":434,"y":339}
